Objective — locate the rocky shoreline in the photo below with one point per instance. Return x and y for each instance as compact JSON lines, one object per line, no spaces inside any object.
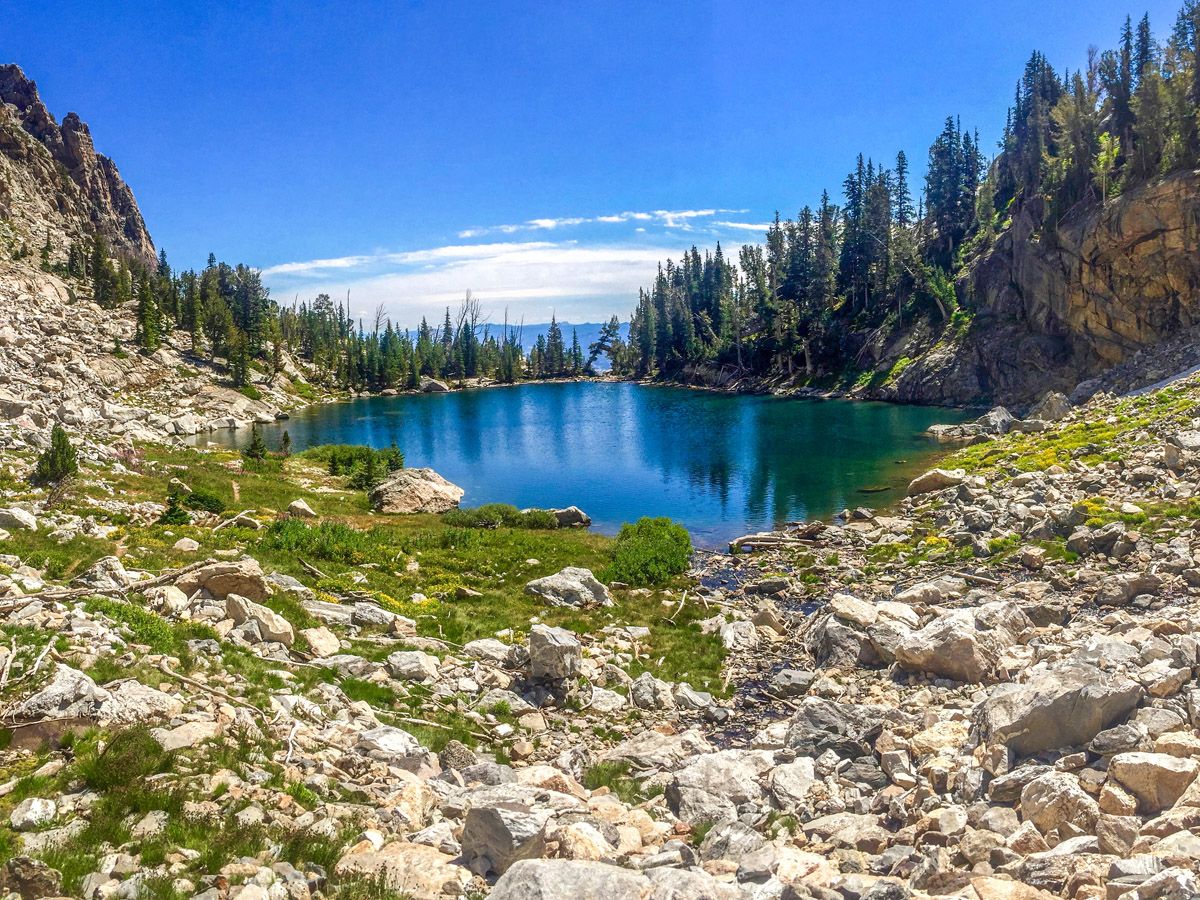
{"x":987,"y":693}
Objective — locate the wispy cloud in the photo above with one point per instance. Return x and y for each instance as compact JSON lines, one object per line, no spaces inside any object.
{"x":744,"y":226}
{"x":668,"y":218}
{"x":529,"y":278}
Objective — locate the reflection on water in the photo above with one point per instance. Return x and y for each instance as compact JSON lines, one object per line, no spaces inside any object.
{"x":723,"y":465}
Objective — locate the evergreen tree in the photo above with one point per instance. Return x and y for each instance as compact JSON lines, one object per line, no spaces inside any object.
{"x":147,"y":317}
{"x":256,"y":450}
{"x":57,"y":462}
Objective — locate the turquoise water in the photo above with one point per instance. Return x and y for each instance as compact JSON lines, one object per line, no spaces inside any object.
{"x":722,"y":465}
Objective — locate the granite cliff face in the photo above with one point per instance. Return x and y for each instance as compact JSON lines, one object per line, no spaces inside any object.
{"x":53,"y":181}
{"x":1060,"y":303}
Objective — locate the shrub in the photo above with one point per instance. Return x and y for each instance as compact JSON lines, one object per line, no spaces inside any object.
{"x":174,"y":513}
{"x":500,"y":515}
{"x":58,"y":461}
{"x":132,"y":755}
{"x":649,"y":552}
{"x":205,"y":501}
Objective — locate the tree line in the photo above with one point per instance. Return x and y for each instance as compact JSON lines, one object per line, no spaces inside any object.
{"x":804,"y":300}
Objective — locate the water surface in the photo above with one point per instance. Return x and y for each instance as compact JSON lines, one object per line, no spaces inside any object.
{"x":723,"y":465}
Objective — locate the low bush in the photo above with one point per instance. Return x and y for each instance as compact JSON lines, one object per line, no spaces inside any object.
{"x":331,"y":541}
{"x":650,"y":552}
{"x":205,"y":501}
{"x":500,"y":515}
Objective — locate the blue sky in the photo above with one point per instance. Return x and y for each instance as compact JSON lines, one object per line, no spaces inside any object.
{"x":542,"y":155}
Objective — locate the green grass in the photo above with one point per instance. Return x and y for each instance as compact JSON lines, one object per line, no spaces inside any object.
{"x":1091,"y":440}
{"x":615,"y":777}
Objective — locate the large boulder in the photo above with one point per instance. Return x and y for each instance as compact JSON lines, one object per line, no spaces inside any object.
{"x":68,"y":694}
{"x":433,"y":386}
{"x":965,"y":644}
{"x":258,"y":620}
{"x":1065,"y":706}
{"x":411,"y":870}
{"x":935,"y":480}
{"x":555,"y":654}
{"x":566,"y":879}
{"x":497,"y":835}
{"x":130,"y":702}
{"x":1056,"y":797}
{"x":415,"y":491}
{"x":15,"y":517}
{"x":1051,"y":408}
{"x":652,"y":749}
{"x":1156,"y":779}
{"x":243,"y":577}
{"x":572,"y":586}
{"x":715,"y":786}
{"x":571,"y":517}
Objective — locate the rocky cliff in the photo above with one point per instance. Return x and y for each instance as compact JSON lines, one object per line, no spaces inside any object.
{"x":52,"y":180}
{"x":1059,"y":303}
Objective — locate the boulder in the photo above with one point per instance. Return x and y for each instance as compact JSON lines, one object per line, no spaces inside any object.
{"x":130,"y":702}
{"x":413,"y":665}
{"x":1053,"y":407}
{"x":32,"y":813}
{"x":997,"y":420}
{"x":269,"y":624}
{"x":15,"y":517}
{"x":652,"y":749}
{"x":243,"y":577}
{"x":965,"y":644}
{"x":572,"y":517}
{"x":572,"y":586}
{"x":405,"y":869}
{"x":433,"y":386}
{"x":1056,"y":797}
{"x":30,"y":878}
{"x":567,"y":879}
{"x":1156,"y":779}
{"x":712,"y":787}
{"x":68,"y":694}
{"x":935,"y":480}
{"x":105,"y":574}
{"x":300,"y":509}
{"x":415,"y":491}
{"x":1065,"y":706}
{"x":555,"y":654}
{"x":321,"y":641}
{"x":497,"y":835}
{"x":386,"y":741}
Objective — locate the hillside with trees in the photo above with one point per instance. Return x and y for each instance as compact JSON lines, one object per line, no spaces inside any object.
{"x":1073,"y":241}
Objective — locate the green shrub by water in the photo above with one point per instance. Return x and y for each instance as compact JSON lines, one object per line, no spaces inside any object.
{"x":500,"y":515}
{"x":650,"y":552}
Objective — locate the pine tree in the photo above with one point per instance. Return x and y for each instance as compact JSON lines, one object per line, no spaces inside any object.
{"x":57,"y":462}
{"x":902,"y":198}
{"x":256,"y":450}
{"x":285,"y":444}
{"x":147,"y":317}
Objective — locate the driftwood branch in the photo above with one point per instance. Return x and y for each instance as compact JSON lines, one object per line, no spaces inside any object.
{"x":69,"y":593}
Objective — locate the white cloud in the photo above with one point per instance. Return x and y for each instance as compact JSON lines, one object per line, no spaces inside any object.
{"x":669,"y":218}
{"x":744,"y":226}
{"x":531,"y":279}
